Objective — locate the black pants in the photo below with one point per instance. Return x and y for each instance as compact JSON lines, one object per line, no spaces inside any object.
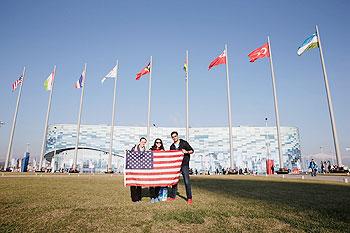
{"x":185,"y":170}
{"x":154,"y":192}
{"x":136,"y":193}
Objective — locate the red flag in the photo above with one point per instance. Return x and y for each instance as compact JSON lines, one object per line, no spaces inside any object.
{"x":219,"y":60}
{"x":144,"y":71}
{"x":261,"y":52}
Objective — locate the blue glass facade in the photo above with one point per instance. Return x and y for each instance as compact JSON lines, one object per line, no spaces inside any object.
{"x":252,"y":145}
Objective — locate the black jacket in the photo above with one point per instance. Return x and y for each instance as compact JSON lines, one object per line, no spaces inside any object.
{"x":183,"y":145}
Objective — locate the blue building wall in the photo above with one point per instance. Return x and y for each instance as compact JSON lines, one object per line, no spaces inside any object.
{"x":252,"y":145}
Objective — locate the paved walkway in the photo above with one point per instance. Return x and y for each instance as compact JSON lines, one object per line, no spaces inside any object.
{"x":335,"y":178}
{"x":318,"y":177}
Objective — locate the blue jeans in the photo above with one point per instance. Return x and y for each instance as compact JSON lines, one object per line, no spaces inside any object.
{"x":185,"y":170}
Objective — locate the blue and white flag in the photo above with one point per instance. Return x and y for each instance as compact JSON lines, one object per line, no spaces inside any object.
{"x":310,"y":43}
{"x":80,"y":82}
{"x":111,"y":74}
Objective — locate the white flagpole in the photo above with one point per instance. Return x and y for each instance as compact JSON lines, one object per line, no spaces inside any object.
{"x":187,"y":122}
{"x":330,"y":104}
{"x":149,"y":103}
{"x":74,"y":168}
{"x":9,"y":150}
{"x":109,"y":169}
{"x":232,"y":163}
{"x":43,"y":145}
{"x":276,"y":108}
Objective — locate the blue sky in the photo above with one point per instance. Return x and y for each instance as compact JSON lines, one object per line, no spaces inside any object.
{"x":41,"y":34}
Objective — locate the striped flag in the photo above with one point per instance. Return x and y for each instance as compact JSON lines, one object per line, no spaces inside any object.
{"x":17,"y":83}
{"x":152,"y":168}
{"x":310,"y":43}
{"x":80,"y":82}
{"x":48,"y":81}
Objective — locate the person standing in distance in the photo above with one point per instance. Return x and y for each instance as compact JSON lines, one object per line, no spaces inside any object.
{"x":184,"y":146}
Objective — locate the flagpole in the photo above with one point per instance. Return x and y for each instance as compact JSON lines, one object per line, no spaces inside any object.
{"x":187,"y":122}
{"x":276,"y":108}
{"x":43,"y":145}
{"x":109,"y":169}
{"x":9,"y":150}
{"x":149,"y":102}
{"x":330,"y":104}
{"x":74,"y":168}
{"x":232,"y":164}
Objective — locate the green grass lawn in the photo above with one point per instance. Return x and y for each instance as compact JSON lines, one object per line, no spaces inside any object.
{"x":86,"y":203}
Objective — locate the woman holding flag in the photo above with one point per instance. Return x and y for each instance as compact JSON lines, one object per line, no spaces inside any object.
{"x":154,"y":191}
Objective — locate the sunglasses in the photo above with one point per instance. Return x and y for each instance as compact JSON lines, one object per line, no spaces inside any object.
{"x":159,"y":142}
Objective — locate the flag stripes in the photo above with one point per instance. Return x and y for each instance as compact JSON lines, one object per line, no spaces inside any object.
{"x":165,"y":170}
{"x":17,"y":83}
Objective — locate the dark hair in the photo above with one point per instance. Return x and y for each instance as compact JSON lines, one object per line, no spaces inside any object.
{"x":154,"y":147}
{"x":143,"y":138}
{"x":174,"y":132}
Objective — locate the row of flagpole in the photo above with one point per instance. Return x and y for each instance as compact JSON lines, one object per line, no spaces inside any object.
{"x":263,"y":51}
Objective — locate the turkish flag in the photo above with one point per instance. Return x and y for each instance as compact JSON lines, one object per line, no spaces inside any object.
{"x":144,"y":71}
{"x":261,"y":52}
{"x":219,"y":60}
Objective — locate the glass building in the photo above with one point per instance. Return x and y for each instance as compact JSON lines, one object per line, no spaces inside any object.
{"x":252,"y":146}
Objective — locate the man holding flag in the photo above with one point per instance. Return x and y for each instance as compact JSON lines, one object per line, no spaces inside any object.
{"x":184,"y":146}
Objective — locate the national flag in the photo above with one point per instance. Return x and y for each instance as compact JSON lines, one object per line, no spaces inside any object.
{"x":48,"y":82}
{"x":80,"y":82}
{"x":111,"y":74}
{"x":144,"y":71}
{"x":261,"y":52}
{"x":310,"y":43}
{"x":17,"y":83}
{"x":219,"y":60}
{"x":186,"y":68}
{"x":152,"y":168}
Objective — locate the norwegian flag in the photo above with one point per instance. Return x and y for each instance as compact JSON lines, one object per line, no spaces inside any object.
{"x":219,"y":60}
{"x":17,"y":83}
{"x":152,"y":168}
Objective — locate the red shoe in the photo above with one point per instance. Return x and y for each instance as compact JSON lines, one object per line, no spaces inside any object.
{"x":189,"y":201}
{"x":171,"y":199}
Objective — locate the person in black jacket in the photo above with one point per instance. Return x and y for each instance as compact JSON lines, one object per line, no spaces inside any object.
{"x":136,"y":191}
{"x":180,"y":144}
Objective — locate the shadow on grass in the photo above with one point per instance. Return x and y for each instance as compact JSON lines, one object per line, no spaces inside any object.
{"x":325,"y":202}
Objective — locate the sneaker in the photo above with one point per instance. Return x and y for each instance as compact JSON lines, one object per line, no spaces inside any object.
{"x":189,"y":201}
{"x":152,"y":200}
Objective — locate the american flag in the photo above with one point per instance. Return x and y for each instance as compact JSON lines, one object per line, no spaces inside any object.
{"x":17,"y":83}
{"x":152,"y":168}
